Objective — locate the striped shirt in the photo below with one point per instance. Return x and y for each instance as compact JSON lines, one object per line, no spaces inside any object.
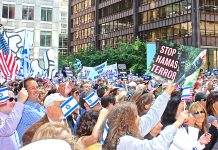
{"x":31,"y":114}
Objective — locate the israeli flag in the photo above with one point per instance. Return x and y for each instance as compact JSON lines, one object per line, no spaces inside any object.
{"x":25,"y":58}
{"x":3,"y":95}
{"x":92,"y":99}
{"x":186,"y":93}
{"x":69,"y":106}
{"x":105,"y":133}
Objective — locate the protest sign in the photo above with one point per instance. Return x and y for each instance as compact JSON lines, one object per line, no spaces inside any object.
{"x":177,"y":62}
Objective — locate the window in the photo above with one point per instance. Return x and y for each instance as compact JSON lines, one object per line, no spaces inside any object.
{"x":8,"y":11}
{"x":28,"y":13}
{"x":45,"y":38}
{"x":46,"y":14}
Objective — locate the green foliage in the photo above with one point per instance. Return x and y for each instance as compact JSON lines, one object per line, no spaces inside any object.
{"x":133,"y":55}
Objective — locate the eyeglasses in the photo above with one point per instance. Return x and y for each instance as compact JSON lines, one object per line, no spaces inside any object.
{"x":11,"y":99}
{"x":199,"y":112}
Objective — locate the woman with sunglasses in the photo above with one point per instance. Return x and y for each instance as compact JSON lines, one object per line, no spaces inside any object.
{"x":212,"y":109}
{"x":200,"y":115}
{"x":186,"y":138}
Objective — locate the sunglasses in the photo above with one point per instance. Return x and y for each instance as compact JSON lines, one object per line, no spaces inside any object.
{"x":77,"y":93}
{"x":199,"y":112}
{"x":204,"y":100}
{"x":11,"y":99}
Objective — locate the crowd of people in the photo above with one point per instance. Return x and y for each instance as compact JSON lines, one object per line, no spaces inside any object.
{"x":128,"y":115}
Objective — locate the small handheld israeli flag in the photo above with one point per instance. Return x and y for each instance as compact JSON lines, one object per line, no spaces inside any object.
{"x":106,"y":129}
{"x":3,"y":95}
{"x":187,"y":92}
{"x":69,"y":106}
{"x":92,"y":99}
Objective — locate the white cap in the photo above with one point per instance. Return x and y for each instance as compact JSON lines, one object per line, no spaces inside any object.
{"x":50,"y":99}
{"x":132,"y":84}
{"x":53,"y":144}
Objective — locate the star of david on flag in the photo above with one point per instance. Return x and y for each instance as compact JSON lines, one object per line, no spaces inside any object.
{"x":92,"y":99}
{"x":3,"y":95}
{"x":69,"y":106}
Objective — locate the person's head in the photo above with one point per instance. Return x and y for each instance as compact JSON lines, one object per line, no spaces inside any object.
{"x":87,"y":123}
{"x":75,"y":93}
{"x":108,"y":102}
{"x":202,"y":98}
{"x":198,"y":87}
{"x":132,"y":85}
{"x":84,"y":104}
{"x":209,"y":85}
{"x":85,"y":87}
{"x":101,"y":91}
{"x":121,"y":96}
{"x":173,"y":109}
{"x":199,"y":113}
{"x":9,"y":105}
{"x":31,"y":86}
{"x":54,"y":130}
{"x":42,"y":94}
{"x":40,"y":82}
{"x":141,"y":87}
{"x":123,"y":119}
{"x":143,"y":101}
{"x":52,"y":104}
{"x":212,"y":104}
{"x":115,"y":91}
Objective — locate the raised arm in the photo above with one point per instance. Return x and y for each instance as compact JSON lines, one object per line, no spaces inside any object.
{"x":148,"y":121}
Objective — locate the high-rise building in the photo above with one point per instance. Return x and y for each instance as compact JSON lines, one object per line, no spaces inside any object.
{"x":46,"y":18}
{"x":104,"y":23}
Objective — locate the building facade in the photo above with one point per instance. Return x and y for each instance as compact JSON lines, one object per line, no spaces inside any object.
{"x":104,"y":23}
{"x":46,"y":18}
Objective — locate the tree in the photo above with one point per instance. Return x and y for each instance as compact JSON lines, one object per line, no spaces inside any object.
{"x":133,"y":55}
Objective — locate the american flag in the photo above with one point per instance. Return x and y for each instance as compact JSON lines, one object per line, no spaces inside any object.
{"x":9,"y":65}
{"x":187,"y":93}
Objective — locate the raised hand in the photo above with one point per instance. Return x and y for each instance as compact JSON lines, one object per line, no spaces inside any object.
{"x":205,"y":138}
{"x":22,"y":95}
{"x":170,"y":88}
{"x":183,"y":117}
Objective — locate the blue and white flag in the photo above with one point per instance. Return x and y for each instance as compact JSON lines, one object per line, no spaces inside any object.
{"x":3,"y":95}
{"x":69,"y":106}
{"x":92,"y":99}
{"x":105,"y":133}
{"x":187,"y":93}
{"x":25,"y":58}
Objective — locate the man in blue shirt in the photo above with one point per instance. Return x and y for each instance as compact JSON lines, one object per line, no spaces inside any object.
{"x":33,"y":111}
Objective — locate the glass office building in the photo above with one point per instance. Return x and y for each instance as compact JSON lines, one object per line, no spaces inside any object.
{"x":105,"y":23}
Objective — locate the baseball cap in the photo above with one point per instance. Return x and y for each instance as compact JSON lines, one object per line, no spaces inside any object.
{"x":50,"y":99}
{"x":200,"y":96}
{"x":132,"y":84}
